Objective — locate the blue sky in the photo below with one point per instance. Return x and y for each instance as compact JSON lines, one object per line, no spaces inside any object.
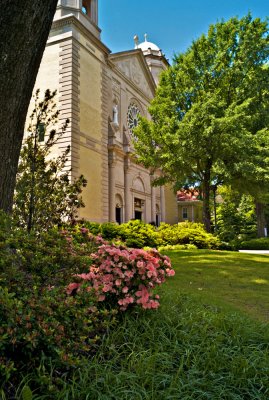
{"x":171,"y":24}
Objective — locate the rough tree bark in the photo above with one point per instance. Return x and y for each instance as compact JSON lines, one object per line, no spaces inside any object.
{"x":261,"y":220}
{"x":206,"y":196}
{"x":24,"y":30}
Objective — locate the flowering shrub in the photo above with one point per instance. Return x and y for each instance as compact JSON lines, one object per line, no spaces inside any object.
{"x":124,"y":276}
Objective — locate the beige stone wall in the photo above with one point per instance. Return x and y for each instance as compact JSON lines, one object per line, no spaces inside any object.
{"x":89,"y":85}
{"x":48,"y":76}
{"x":90,"y":150}
{"x":171,"y":206}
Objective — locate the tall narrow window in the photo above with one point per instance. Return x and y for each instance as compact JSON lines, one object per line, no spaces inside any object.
{"x":118,"y":215}
{"x":185,"y":213}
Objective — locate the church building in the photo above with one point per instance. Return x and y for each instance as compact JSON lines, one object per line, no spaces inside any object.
{"x":102,"y":94}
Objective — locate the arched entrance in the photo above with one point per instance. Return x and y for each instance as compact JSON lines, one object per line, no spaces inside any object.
{"x":158,"y":215}
{"x":118,"y":209}
{"x":139,"y":199}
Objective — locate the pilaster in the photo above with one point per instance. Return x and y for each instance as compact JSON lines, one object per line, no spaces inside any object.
{"x":127,"y":190}
{"x":69,"y":99}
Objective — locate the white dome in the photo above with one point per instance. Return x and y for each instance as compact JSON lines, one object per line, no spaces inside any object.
{"x":148,"y":45}
{"x":145,"y":46}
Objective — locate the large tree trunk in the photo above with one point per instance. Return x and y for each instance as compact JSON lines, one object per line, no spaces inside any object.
{"x":206,"y":199}
{"x":261,"y":220}
{"x":24,"y":30}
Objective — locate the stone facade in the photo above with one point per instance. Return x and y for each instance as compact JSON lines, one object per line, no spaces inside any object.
{"x":96,"y":91}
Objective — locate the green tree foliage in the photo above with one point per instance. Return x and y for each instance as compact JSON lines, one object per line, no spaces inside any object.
{"x":44,"y":194}
{"x":211,"y":111}
{"x":236,"y":217}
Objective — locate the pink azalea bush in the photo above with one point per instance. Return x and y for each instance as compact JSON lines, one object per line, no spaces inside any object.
{"x":125,"y":276}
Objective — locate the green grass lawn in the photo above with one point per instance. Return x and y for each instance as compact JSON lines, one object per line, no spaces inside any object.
{"x":228,"y":279}
{"x":203,"y":343}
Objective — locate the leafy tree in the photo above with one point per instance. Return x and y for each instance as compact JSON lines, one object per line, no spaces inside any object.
{"x":235,"y":215}
{"x":24,"y":29}
{"x":44,"y":195}
{"x":211,"y":111}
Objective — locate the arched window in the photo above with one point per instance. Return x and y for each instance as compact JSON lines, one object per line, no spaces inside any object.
{"x":86,"y":7}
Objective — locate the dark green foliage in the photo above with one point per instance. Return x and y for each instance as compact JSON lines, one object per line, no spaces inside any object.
{"x":236,"y":216}
{"x":94,"y":227}
{"x":48,"y":324}
{"x":254,"y":244}
{"x":44,"y":195}
{"x":138,"y":234}
{"x":210,"y":114}
{"x":110,"y":230}
{"x":38,"y":320}
{"x":186,"y":351}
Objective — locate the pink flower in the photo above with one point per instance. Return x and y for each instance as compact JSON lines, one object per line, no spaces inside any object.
{"x":128,"y":275}
{"x":170,"y":272}
{"x":72,"y":287}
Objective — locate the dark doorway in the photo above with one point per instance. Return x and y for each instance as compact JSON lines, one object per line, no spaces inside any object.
{"x":118,"y":215}
{"x":138,"y":215}
{"x":157,"y":220}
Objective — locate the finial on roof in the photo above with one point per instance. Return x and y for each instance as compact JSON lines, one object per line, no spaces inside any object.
{"x":146,"y":37}
{"x":136,"y":40}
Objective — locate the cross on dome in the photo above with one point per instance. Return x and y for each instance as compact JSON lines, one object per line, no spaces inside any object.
{"x":145,"y":46}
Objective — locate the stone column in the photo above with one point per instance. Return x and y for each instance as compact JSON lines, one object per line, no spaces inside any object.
{"x":162,"y":204}
{"x":153,"y":202}
{"x":111,"y":183}
{"x":127,"y":190}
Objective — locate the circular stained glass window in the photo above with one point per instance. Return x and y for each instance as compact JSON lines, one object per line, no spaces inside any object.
{"x":133,"y":116}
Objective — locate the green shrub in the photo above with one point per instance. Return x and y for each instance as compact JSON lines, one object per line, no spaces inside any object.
{"x":254,"y":244}
{"x":38,"y":318}
{"x":138,"y":234}
{"x":94,"y":227}
{"x":48,"y":324}
{"x":177,"y":247}
{"x":110,"y":230}
{"x":187,"y":233}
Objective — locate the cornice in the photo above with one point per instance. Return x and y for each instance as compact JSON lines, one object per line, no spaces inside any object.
{"x":72,"y":20}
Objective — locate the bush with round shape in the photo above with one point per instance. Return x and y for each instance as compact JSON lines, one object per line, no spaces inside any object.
{"x":122,"y":277}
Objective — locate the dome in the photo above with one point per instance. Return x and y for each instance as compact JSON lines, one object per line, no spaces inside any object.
{"x":148,"y":45}
{"x":144,"y":46}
